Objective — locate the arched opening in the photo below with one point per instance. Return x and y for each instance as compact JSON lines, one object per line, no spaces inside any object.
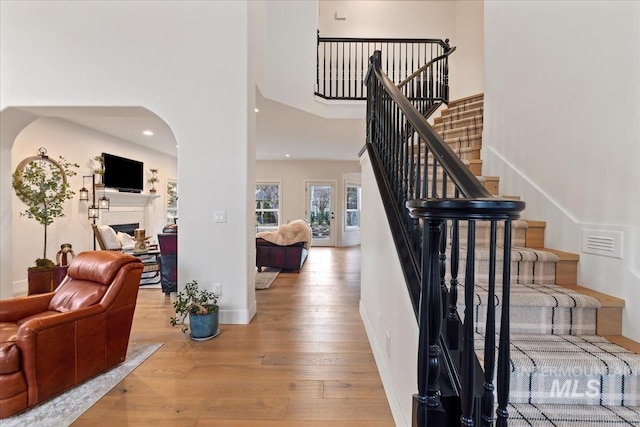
{"x":78,"y":134}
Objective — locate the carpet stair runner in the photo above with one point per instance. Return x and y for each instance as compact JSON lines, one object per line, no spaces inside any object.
{"x":562,"y":373}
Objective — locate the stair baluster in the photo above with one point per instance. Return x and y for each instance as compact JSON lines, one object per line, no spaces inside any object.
{"x":504,"y":374}
{"x":468,"y":367}
{"x":490,"y":331}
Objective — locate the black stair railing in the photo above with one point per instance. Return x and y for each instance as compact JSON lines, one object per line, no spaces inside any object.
{"x":428,"y":193}
{"x":342,"y":63}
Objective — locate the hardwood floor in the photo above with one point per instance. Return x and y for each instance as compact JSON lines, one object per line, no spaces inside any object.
{"x":304,"y":360}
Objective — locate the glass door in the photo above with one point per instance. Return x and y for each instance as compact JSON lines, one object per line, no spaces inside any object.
{"x":320,"y":212}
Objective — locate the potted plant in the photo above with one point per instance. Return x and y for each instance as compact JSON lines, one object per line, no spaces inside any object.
{"x":202,"y":308}
{"x":98,"y":170}
{"x":152,"y":180}
{"x":41,"y":183}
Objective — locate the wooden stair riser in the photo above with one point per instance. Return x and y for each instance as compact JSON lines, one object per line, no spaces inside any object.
{"x":535,"y":234}
{"x":475,"y":166}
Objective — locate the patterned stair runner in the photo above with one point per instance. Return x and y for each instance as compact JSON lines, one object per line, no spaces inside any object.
{"x":562,"y":374}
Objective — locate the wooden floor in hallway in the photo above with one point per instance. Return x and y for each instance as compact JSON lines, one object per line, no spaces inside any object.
{"x":303,"y":360}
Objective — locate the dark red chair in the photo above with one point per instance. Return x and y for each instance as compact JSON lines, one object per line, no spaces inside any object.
{"x":168,"y":260}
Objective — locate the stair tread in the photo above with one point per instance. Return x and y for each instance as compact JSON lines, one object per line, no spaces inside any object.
{"x":475,"y":97}
{"x":465,"y":138}
{"x":545,"y":414}
{"x":456,"y":123}
{"x":605,"y":299}
{"x":625,"y":342}
{"x":535,"y":295}
{"x":470,"y":112}
{"x":564,"y":256}
{"x":535,"y":223}
{"x":571,"y":369}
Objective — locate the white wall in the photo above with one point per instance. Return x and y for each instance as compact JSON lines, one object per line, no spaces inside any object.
{"x":164,"y":56}
{"x":466,"y":64}
{"x":385,"y":305}
{"x":562,"y":101}
{"x":292,"y":176}
{"x":79,"y":145}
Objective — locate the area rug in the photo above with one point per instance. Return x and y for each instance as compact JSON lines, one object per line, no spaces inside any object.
{"x":64,"y":409}
{"x":265,"y":278}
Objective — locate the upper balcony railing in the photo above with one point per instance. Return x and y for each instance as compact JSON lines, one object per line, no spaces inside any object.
{"x":343,"y":62}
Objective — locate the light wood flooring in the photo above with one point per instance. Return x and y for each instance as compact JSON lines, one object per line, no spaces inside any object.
{"x":304,"y":360}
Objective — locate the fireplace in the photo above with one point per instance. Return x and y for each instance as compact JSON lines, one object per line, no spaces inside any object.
{"x":126,"y":228}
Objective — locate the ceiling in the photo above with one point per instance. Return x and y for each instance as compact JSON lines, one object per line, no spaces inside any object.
{"x":280,"y":130}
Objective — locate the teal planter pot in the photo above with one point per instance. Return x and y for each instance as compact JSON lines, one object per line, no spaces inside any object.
{"x":203,"y":326}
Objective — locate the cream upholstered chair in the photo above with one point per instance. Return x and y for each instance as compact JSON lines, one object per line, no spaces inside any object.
{"x":109,"y":240}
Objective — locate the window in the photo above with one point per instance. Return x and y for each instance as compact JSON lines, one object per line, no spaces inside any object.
{"x":352,"y":211}
{"x":267,"y":206}
{"x":172,"y":201}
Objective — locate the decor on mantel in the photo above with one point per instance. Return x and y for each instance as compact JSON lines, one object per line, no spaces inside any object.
{"x":98,"y":170}
{"x":41,"y":183}
{"x":152,"y":180}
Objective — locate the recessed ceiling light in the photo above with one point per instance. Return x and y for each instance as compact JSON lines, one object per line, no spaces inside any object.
{"x":147,"y":132}
{"x":256,"y":110}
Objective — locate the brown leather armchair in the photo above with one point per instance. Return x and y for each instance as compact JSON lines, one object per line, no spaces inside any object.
{"x":51,"y":342}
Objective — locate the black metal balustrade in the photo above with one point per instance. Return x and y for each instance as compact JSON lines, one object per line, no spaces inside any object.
{"x":428,"y":193}
{"x":343,"y":63}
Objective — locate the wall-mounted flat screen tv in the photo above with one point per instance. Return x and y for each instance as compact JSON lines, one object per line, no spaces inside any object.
{"x":123,"y":174}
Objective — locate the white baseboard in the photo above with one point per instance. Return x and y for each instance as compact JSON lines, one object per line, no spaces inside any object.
{"x":385,"y":375}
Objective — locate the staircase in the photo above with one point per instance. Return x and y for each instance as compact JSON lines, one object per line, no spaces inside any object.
{"x":563,"y":371}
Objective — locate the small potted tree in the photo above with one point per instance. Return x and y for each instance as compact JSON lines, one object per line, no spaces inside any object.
{"x":202,"y":308}
{"x":152,"y":180}
{"x":41,"y":184}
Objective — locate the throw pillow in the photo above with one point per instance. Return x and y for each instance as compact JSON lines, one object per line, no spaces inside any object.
{"x":110,"y":238}
{"x":126,"y":241}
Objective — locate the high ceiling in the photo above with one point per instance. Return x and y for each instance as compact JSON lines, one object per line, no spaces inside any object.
{"x":280,"y":130}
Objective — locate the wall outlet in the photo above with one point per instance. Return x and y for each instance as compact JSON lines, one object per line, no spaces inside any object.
{"x":219,"y":216}
{"x":217,"y":289}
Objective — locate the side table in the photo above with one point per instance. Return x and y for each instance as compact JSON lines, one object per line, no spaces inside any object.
{"x":151,"y":270}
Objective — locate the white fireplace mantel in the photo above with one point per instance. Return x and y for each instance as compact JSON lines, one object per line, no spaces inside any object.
{"x":118,"y":198}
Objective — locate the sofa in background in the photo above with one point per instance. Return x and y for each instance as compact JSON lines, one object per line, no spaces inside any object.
{"x":286,"y":248}
{"x":51,"y":342}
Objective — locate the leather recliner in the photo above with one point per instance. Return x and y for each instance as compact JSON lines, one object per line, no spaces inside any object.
{"x":51,"y":342}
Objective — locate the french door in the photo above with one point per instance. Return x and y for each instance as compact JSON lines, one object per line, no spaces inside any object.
{"x":320,"y":208}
